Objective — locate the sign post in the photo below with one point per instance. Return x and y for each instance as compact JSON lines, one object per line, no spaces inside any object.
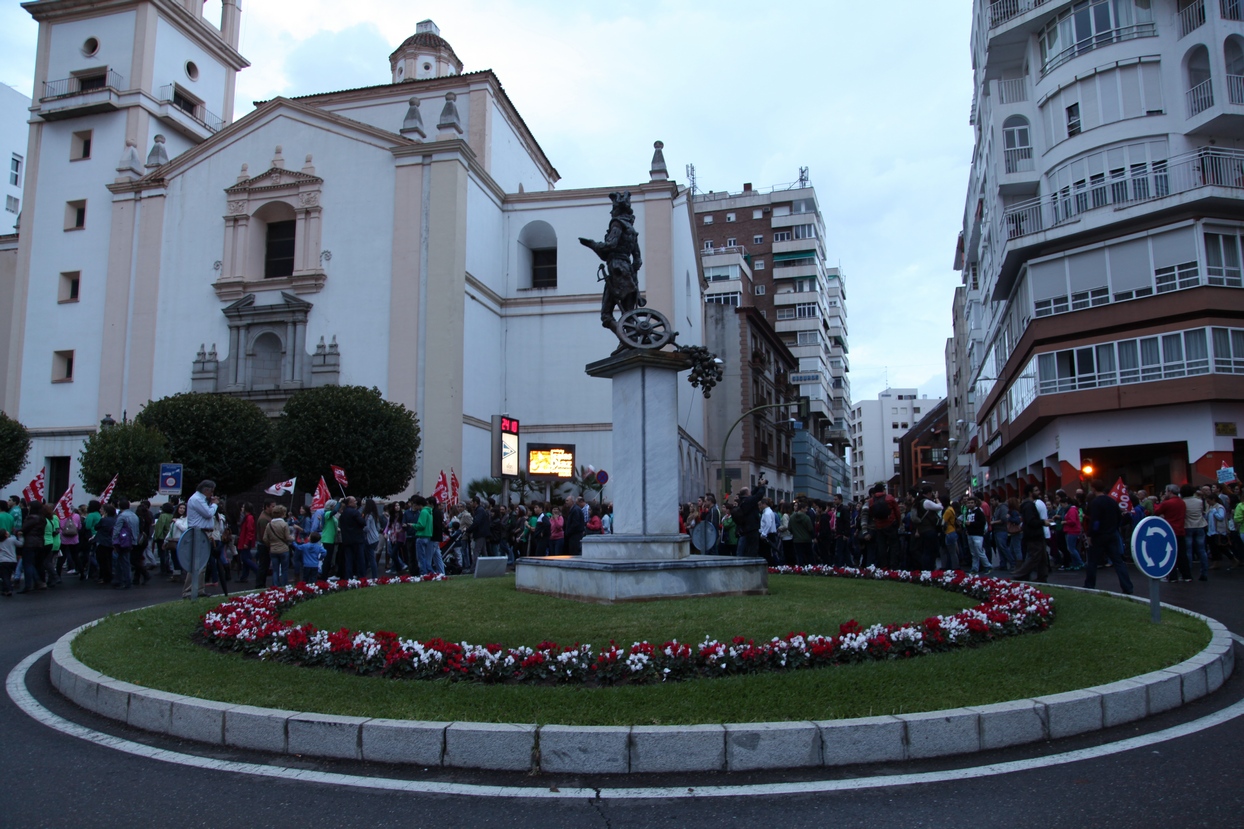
{"x":1154,"y":543}
{"x":170,"y":478}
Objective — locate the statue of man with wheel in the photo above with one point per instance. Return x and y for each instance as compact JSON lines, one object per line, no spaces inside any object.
{"x":622,"y":260}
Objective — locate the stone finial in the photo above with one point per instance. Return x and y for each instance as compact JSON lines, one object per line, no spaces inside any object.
{"x":412,"y":125}
{"x":332,"y":346}
{"x":158,"y":155}
{"x":659,"y":172}
{"x":211,"y":355}
{"x":245,"y":174}
{"x":202,"y":355}
{"x":308,"y":167}
{"x":450,"y":120}
{"x":130,"y":166}
{"x":278,"y":160}
{"x":320,"y":348}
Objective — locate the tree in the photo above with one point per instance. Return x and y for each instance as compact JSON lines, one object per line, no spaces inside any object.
{"x":374,"y":440}
{"x":131,"y":451}
{"x":215,"y":436}
{"x":14,"y":447}
{"x":484,"y":488}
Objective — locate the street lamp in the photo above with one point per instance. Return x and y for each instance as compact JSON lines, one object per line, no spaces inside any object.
{"x":725,"y":486}
{"x":107,"y":422}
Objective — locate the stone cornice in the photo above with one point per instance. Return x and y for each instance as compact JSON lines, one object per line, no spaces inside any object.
{"x":658,"y":189}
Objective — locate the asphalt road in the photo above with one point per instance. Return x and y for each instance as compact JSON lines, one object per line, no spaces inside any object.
{"x":51,"y":779}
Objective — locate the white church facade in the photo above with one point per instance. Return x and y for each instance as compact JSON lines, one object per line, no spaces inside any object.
{"x":406,"y":236}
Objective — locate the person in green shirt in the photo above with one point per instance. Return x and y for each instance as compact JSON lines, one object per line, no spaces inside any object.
{"x":729,"y":534}
{"x":6,"y":521}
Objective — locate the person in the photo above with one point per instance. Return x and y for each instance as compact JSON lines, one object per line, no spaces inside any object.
{"x":103,"y":543}
{"x":438,"y":535}
{"x":1174,"y":510}
{"x":843,"y":533}
{"x":329,"y":528}
{"x":1035,"y":520}
{"x":1195,"y":528}
{"x":261,"y":546}
{"x":246,"y":543}
{"x":880,"y":519}
{"x":539,"y":530}
{"x":195,"y":546}
{"x":729,"y":533}
{"x":950,"y":529}
{"x":422,"y":531}
{"x":1104,"y":541}
{"x":1216,"y":529}
{"x":747,"y":519}
{"x":125,"y":535}
{"x":175,"y":531}
{"x":353,"y":531}
{"x":481,"y":529}
{"x":711,"y":514}
{"x":594,"y":524}
{"x":310,"y":555}
{"x":277,"y":537}
{"x":396,"y":532}
{"x":575,"y":527}
{"x":785,"y":541}
{"x":802,"y":533}
{"x":975,"y":525}
{"x":770,"y":539}
{"x":371,"y":533}
{"x":926,"y":515}
{"x":71,"y":535}
{"x":998,"y":519}
{"x":218,"y":563}
{"x":159,"y":535}
{"x":87,"y":540}
{"x":8,"y":561}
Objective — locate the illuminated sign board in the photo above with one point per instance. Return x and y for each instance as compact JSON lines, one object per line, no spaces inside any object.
{"x":505,"y":454}
{"x":806,"y":377}
{"x":550,"y":460}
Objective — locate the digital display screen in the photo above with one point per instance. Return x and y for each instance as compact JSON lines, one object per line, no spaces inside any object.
{"x":545,"y":460}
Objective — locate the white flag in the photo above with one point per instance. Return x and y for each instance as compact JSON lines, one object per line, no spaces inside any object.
{"x":282,"y":488}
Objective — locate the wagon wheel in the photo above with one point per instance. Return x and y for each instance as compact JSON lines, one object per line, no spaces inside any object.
{"x":641,"y":328}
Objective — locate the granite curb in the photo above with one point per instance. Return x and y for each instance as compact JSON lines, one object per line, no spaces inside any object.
{"x":638,"y":749}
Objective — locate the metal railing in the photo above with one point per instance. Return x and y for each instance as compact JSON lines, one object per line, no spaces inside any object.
{"x":1018,"y":160}
{"x":1000,"y":11}
{"x":739,"y":249}
{"x":1231,"y":9}
{"x":197,"y":111}
{"x":1235,"y":89}
{"x":1013,"y":91}
{"x":81,"y":85}
{"x":1105,"y":38}
{"x":1191,"y":17}
{"x":1200,"y":97}
{"x":1207,"y":167}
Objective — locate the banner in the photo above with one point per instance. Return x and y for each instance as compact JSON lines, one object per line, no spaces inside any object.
{"x":321,"y":496}
{"x":1119,"y":493}
{"x":35,"y":489}
{"x":282,"y":488}
{"x":453,"y":486}
{"x":441,"y":493}
{"x":340,"y":475}
{"x":64,"y":507}
{"x":107,"y":493}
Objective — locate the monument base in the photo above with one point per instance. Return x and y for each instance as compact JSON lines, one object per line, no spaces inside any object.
{"x":636,"y":547}
{"x":609,"y":581}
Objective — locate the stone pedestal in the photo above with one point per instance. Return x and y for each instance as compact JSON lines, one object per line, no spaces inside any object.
{"x":645,"y":557}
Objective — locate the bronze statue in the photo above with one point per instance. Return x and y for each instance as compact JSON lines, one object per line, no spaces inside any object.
{"x":620,"y":253}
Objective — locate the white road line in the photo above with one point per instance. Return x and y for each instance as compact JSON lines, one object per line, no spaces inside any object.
{"x":16,"y":687}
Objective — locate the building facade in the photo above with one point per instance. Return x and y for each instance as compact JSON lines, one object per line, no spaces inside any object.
{"x":924,"y":455}
{"x":1101,"y":241}
{"x":14,"y":110}
{"x":405,"y":236}
{"x":877,"y":428}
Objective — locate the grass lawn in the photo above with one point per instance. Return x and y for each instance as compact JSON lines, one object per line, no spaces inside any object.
{"x":1094,"y":639}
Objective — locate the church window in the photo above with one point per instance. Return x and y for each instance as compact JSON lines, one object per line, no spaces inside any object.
{"x":544,"y":268}
{"x":279,"y":249}
{"x":537,"y":255}
{"x":70,"y":282}
{"x":81,"y":145}
{"x":62,"y":366}
{"x":75,"y":215}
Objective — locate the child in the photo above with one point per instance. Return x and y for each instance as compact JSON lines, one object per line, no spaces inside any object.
{"x":312,"y":553}
{"x":8,"y":562}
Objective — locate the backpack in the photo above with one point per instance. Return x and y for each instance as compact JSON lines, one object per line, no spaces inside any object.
{"x":880,"y":508}
{"x":926,"y":519}
{"x":69,"y":532}
{"x":125,"y":536}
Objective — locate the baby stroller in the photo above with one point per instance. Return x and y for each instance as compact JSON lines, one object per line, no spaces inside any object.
{"x":451,"y":553}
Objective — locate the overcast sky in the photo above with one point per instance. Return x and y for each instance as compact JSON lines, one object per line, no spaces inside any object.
{"x":872,"y":98}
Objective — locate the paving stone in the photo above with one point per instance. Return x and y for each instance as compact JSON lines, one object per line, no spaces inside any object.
{"x":585,"y":749}
{"x":324,"y":735}
{"x":662,"y":748}
{"x":863,"y":740}
{"x":198,"y":719}
{"x":1011,"y":723}
{"x":500,"y":746}
{"x":1073,"y":712}
{"x":1163,"y":690}
{"x":489,"y":567}
{"x":262,"y":729}
{"x":1195,"y":679}
{"x":404,"y":741}
{"x":112,"y":700}
{"x":779,"y":745}
{"x":151,"y":710}
{"x":1124,"y":701}
{"x":938,"y":733}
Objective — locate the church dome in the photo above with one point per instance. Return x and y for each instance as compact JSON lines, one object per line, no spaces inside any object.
{"x":425,"y":54}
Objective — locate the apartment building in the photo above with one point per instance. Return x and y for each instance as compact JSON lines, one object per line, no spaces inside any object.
{"x":1100,"y":248}
{"x":877,"y":428}
{"x":14,"y":110}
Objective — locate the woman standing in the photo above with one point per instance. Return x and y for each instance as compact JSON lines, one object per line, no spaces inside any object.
{"x":246,"y":543}
{"x":32,"y":549}
{"x":1073,"y":528}
{"x":276,"y":536}
{"x":557,"y":533}
{"x":176,"y":530}
{"x":371,"y":535}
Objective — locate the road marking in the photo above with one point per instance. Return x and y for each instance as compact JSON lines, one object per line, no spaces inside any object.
{"x":16,"y":687}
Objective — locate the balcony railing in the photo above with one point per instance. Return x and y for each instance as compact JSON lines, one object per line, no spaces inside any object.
{"x":1231,"y":9}
{"x":1191,"y":17}
{"x":1235,"y":89}
{"x":1100,"y":39}
{"x":1207,"y":167}
{"x":81,"y":85}
{"x":1013,"y":91}
{"x":1000,"y":11}
{"x":197,"y":111}
{"x":739,"y":249}
{"x":1200,"y":98}
{"x":1018,"y":160}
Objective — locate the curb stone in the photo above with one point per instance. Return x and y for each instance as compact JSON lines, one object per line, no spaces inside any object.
{"x":600,"y":749}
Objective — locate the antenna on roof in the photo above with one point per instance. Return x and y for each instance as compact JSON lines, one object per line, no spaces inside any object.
{"x":691,"y":178}
{"x":803,"y":177}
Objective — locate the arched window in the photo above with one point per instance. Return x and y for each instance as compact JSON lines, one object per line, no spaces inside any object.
{"x":1200,"y":93}
{"x":537,"y":256}
{"x":1233,"y":54}
{"x":1017,"y":144}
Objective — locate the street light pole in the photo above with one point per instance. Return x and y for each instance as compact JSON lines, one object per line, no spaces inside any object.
{"x":725,"y":485}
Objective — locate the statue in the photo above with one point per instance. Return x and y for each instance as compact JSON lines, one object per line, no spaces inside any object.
{"x":620,"y":253}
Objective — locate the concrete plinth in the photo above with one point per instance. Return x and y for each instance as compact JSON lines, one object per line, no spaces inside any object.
{"x":636,"y":547}
{"x":607,"y":582}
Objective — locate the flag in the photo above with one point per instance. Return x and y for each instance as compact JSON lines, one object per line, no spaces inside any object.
{"x":321,"y":496}
{"x":34,"y":489}
{"x":453,"y":486}
{"x":340,"y":475}
{"x":107,"y":493}
{"x":282,"y":488}
{"x":441,"y":493}
{"x":64,"y":507}
{"x":1119,"y":493}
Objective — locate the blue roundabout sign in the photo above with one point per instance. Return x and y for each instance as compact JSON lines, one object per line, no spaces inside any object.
{"x":1154,"y":546}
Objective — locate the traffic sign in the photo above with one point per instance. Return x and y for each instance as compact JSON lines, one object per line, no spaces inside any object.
{"x":703,"y":536}
{"x":170,"y":479}
{"x":602,"y":477}
{"x":1154,"y":544}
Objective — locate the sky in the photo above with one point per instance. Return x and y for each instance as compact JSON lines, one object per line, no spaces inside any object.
{"x":745,"y":91}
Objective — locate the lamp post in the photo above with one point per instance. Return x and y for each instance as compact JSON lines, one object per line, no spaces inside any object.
{"x":725,"y":486}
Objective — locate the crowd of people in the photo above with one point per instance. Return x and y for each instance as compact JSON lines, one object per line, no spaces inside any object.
{"x":201,"y":544}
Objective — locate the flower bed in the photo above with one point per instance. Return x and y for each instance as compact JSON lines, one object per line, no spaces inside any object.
{"x":252,"y":624}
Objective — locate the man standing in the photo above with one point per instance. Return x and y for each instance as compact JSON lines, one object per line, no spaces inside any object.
{"x":747,"y":519}
{"x":264,"y":562}
{"x":353,"y":529}
{"x":802,"y":532}
{"x":481,"y":528}
{"x":974,"y":523}
{"x":195,"y":547}
{"x":126,"y":542}
{"x":1035,"y":520}
{"x":1102,"y":530}
{"x":1175,"y":511}
{"x":771,"y":543}
{"x":879,"y":519}
{"x":710,"y":513}
{"x":576,"y":527}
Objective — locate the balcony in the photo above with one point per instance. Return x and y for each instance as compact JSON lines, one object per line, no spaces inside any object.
{"x":1013,"y":91}
{"x":730,"y":250}
{"x":1191,"y":17}
{"x":1098,"y":40}
{"x":1018,"y":160}
{"x":1200,"y":98}
{"x":1000,"y":11}
{"x":1231,"y":9}
{"x":1207,"y":167}
{"x":175,"y":103}
{"x":1235,"y":89}
{"x":80,"y":95}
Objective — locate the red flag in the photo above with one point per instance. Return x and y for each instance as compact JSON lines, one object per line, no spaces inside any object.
{"x":1119,"y":493}
{"x":64,"y":507}
{"x":453,"y":486}
{"x":34,"y":490}
{"x":282,"y":488}
{"x":107,"y":493}
{"x":321,"y":496}
{"x":340,"y":475}
{"x":441,"y":493}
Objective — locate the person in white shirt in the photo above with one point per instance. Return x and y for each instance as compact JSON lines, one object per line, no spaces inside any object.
{"x":195,"y":547}
{"x":769,"y":532}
